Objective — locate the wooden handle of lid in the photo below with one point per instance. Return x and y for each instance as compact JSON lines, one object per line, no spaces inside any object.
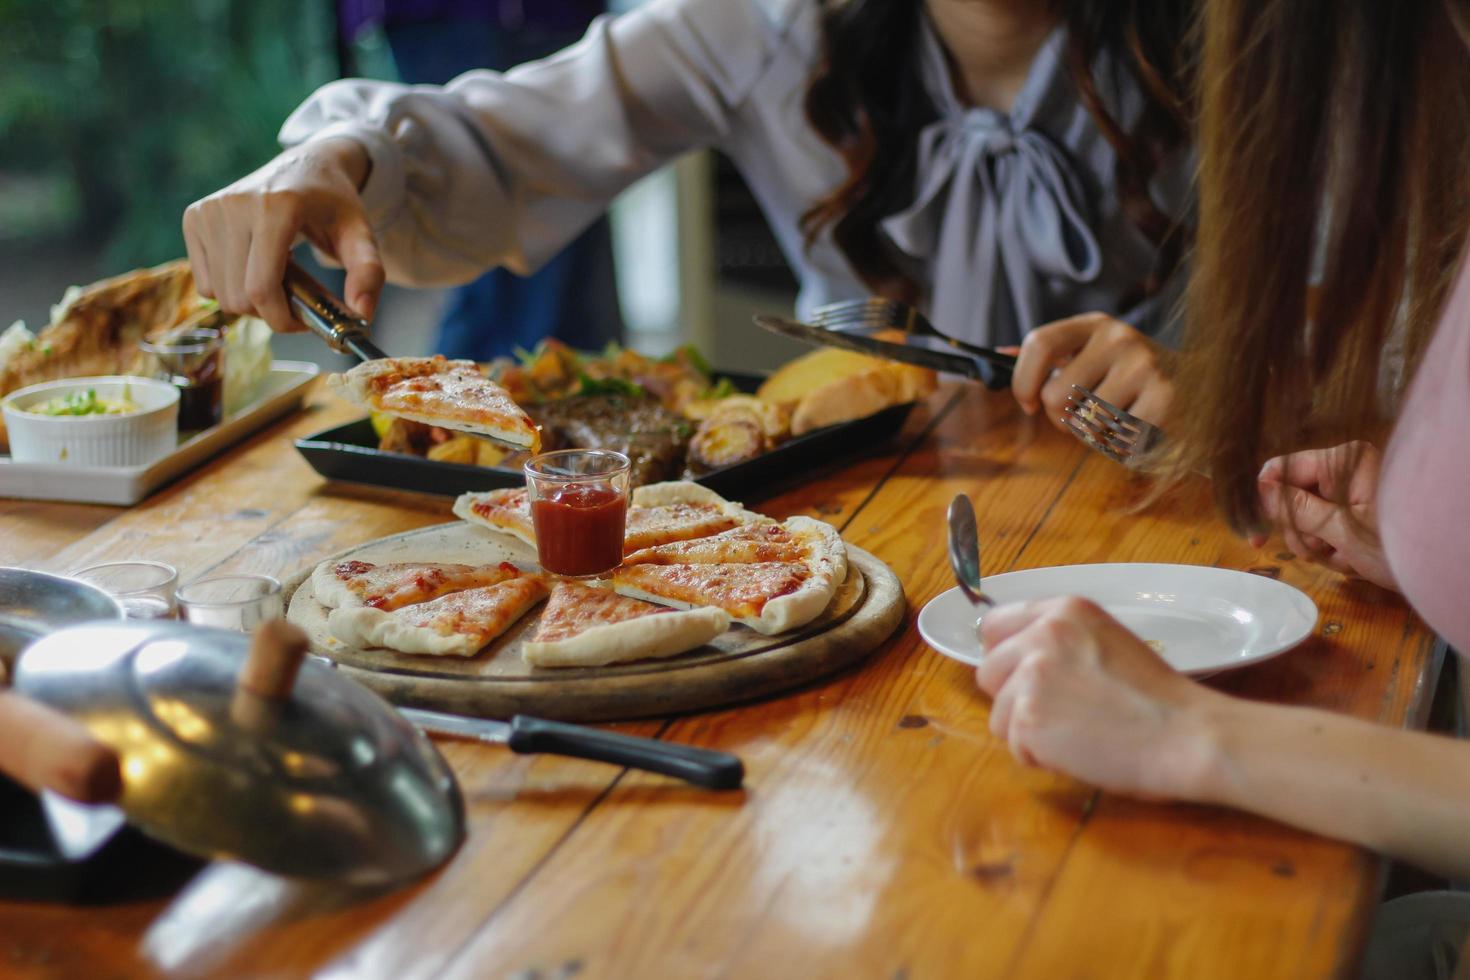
{"x":41,"y":748}
{"x":277,"y":651}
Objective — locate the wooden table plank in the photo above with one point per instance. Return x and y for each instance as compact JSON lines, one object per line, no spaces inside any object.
{"x":1274,"y":910}
{"x":983,"y":863}
{"x":883,"y":831}
{"x":30,"y":529}
{"x":232,"y":920}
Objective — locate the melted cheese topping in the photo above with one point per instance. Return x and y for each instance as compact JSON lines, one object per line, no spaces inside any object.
{"x":746,"y":544}
{"x":483,"y":613}
{"x":650,"y":526}
{"x":576,"y":608}
{"x":454,"y":391}
{"x":393,"y":586}
{"x":740,"y":590}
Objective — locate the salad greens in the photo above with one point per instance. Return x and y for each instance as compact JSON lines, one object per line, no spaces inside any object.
{"x":85,"y":402}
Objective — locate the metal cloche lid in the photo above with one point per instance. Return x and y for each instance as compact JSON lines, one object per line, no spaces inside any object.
{"x":242,"y":751}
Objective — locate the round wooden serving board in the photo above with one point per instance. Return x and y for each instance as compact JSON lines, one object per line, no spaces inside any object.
{"x":496,"y":683}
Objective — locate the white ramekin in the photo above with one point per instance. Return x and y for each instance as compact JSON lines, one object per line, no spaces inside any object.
{"x":94,"y":440}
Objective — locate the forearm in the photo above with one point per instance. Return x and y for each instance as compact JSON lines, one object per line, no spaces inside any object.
{"x":506,"y":168}
{"x":1405,"y":794}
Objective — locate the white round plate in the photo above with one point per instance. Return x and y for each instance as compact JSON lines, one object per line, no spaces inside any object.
{"x":1201,"y":620}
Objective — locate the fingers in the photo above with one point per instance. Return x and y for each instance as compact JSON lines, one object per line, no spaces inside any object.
{"x":357,"y":250}
{"x":198,"y":258}
{"x":1046,"y":348}
{"x":1319,"y":470}
{"x":1106,"y":356}
{"x":1298,"y":510}
{"x":265,"y":269}
{"x":1311,"y":527}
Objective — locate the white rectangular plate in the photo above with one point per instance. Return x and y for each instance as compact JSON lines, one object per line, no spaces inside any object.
{"x":284,"y":390}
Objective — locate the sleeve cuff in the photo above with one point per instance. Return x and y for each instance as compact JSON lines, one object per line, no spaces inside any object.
{"x":385,"y":191}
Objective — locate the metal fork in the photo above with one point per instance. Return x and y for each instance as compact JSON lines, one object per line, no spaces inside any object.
{"x":876,"y":312}
{"x":1118,"y":435}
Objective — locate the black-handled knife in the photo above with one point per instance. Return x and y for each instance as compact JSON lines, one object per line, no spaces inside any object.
{"x":527,"y":736}
{"x":952,"y":362}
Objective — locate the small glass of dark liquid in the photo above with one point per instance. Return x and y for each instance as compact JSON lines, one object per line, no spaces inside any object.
{"x":579,"y":506}
{"x":193,"y":360}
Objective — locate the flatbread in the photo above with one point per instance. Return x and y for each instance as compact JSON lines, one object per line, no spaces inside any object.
{"x":679,"y":510}
{"x":585,"y":626}
{"x":437,"y":391}
{"x":507,"y":510}
{"x":388,"y":587}
{"x":459,"y":624}
{"x":797,"y":539}
{"x":769,"y":597}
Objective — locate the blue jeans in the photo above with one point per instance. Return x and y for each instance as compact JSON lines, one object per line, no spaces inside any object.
{"x":573,"y":297}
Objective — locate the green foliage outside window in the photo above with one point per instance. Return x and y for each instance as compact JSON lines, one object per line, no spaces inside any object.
{"x":115,"y":114}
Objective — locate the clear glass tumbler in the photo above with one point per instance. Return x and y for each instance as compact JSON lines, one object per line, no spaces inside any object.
{"x":144,"y":589}
{"x":232,"y":602}
{"x":579,"y":506}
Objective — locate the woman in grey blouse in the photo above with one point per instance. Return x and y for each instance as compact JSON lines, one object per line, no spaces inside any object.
{"x":949,"y":152}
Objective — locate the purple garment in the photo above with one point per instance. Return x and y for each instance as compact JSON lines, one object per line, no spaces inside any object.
{"x":544,"y":16}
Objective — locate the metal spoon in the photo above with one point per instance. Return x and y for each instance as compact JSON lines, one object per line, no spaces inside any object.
{"x":964,"y":551}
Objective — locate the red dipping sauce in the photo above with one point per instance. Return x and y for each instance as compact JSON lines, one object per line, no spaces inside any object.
{"x":579,"y":528}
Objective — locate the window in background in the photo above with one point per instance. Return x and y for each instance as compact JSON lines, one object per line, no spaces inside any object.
{"x":115,"y":115}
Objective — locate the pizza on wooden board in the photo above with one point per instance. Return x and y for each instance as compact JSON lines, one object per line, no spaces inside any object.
{"x":772,"y":578}
{"x":344,"y":584}
{"x":437,"y":391}
{"x":586,"y":626}
{"x":459,"y":624}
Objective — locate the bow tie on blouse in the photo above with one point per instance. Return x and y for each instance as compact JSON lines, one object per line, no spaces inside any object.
{"x":996,"y":211}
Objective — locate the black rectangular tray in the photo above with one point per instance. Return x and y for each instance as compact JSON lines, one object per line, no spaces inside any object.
{"x":350,"y":453}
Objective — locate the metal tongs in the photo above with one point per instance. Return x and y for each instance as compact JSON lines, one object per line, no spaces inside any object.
{"x":853,"y":325}
{"x":325,"y":316}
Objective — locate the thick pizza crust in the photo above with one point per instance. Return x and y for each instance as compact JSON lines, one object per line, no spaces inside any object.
{"x":688,"y":492}
{"x":355,"y":387}
{"x":676,"y":492}
{"x":463,"y":509}
{"x":825,"y":544}
{"x":647,"y":637}
{"x":364,"y":626}
{"x":780,"y":614}
{"x":330,"y":590}
{"x":826,"y":564}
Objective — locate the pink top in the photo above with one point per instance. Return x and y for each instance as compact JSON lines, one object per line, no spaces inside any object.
{"x":1424,"y":493}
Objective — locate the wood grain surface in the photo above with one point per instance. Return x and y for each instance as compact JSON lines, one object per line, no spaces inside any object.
{"x":882,"y":831}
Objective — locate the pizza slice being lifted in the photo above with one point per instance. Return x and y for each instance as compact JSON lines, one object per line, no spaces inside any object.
{"x":507,"y":510}
{"x":437,"y":391}
{"x":458,"y":624}
{"x":388,"y":587}
{"x":584,"y":626}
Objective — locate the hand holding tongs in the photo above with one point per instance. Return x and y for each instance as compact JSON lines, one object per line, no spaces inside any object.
{"x":326,"y":317}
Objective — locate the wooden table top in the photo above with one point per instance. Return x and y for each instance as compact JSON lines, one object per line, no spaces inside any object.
{"x":882,"y":833}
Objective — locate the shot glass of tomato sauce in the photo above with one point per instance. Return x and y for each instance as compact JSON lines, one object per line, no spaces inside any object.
{"x":579,"y":505}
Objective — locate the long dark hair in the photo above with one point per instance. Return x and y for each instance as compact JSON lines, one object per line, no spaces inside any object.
{"x":1338,"y":129}
{"x":870,"y":106}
